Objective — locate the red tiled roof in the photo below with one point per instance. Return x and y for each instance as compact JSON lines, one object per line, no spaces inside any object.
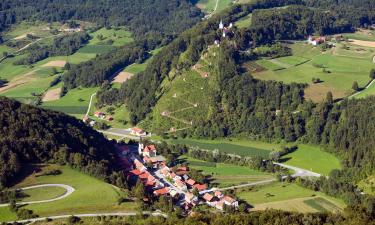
{"x":190,"y":182}
{"x":208,"y":197}
{"x":161,"y":191}
{"x":136,"y":172}
{"x":150,"y":183}
{"x":149,"y":148}
{"x":144,"y":175}
{"x":200,"y":187}
{"x":229,"y":199}
{"x":138,"y":164}
{"x":173,"y":175}
{"x":137,"y":129}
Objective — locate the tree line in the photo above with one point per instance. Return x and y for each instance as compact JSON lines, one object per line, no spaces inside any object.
{"x":61,"y":46}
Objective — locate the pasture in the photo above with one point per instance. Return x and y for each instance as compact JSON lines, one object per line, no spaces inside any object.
{"x":312,"y":158}
{"x":38,"y":194}
{"x":84,"y":199}
{"x":235,"y":146}
{"x":75,"y":102}
{"x":225,"y":175}
{"x":209,"y":5}
{"x":244,"y":22}
{"x":337,"y":68}
{"x":290,"y":197}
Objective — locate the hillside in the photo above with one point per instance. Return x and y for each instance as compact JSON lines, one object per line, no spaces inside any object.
{"x":32,"y":135}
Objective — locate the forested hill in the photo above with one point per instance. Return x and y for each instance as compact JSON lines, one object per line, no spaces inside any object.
{"x":30,"y":134}
{"x":156,"y":17}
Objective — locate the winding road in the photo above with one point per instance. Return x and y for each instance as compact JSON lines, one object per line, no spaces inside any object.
{"x":69,"y":191}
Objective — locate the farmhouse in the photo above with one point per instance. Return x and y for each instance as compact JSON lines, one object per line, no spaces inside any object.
{"x":190,"y":182}
{"x":230,"y":201}
{"x":180,"y":184}
{"x":149,"y":151}
{"x":137,"y":131}
{"x":161,"y":191}
{"x":191,"y":199}
{"x":316,"y":40}
{"x":99,"y":114}
{"x":200,"y":187}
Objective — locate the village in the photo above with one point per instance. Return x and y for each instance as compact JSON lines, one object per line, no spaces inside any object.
{"x":146,"y":165}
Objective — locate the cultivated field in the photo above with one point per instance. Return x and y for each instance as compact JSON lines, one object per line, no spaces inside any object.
{"x":290,"y":197}
{"x":337,"y":68}
{"x":312,"y":158}
{"x":84,"y":199}
{"x":225,"y":175}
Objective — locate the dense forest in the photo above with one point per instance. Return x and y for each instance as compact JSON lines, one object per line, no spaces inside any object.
{"x":158,"y":18}
{"x":32,"y":135}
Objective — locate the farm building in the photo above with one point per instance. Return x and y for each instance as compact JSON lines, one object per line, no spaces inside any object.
{"x":137,"y":131}
{"x":316,"y":40}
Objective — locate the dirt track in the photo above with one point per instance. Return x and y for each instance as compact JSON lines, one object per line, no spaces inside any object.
{"x":363,"y":43}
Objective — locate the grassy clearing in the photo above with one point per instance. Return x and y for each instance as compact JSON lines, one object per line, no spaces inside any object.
{"x":85,"y":199}
{"x":225,"y":175}
{"x":120,"y":36}
{"x":269,"y":65}
{"x":368,"y":185}
{"x":245,"y":21}
{"x":236,"y":146}
{"x":312,"y":158}
{"x":322,"y":205}
{"x":364,"y":35}
{"x":342,"y":69}
{"x":209,"y":5}
{"x":292,"y":60}
{"x":38,"y":194}
{"x":290,"y":197}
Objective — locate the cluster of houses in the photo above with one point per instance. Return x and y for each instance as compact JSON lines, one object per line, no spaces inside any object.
{"x":151,"y":169}
{"x":103,"y":116}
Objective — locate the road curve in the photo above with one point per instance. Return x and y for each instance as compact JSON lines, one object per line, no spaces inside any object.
{"x":69,"y":191}
{"x":90,"y":215}
{"x":298,"y":171}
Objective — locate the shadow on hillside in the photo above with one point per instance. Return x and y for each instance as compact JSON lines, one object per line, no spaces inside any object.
{"x":283,"y":160}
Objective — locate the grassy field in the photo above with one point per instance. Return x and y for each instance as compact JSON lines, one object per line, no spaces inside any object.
{"x":364,"y":35}
{"x":225,"y":175}
{"x":75,"y":102}
{"x":85,"y":199}
{"x":236,"y":146}
{"x":312,"y":158}
{"x":342,"y":68}
{"x":38,"y":194}
{"x":209,"y":5}
{"x":269,"y":65}
{"x":368,"y":185}
{"x":120,"y":36}
{"x":244,"y":22}
{"x":288,"y":197}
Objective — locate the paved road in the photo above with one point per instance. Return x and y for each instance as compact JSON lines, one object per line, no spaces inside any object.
{"x":90,"y":215}
{"x":299,"y":172}
{"x":69,"y":191}
{"x":359,"y":92}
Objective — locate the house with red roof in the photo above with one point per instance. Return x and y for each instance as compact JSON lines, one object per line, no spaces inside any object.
{"x":230,"y":201}
{"x":200,"y":187}
{"x":190,"y":182}
{"x":218,"y":194}
{"x":149,"y":151}
{"x":139,"y":165}
{"x":161,"y":191}
{"x":99,"y":114}
{"x":137,"y":131}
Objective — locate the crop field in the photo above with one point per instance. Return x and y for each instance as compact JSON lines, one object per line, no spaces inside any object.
{"x":239,"y":147}
{"x":312,"y":158}
{"x":224,"y":175}
{"x":337,"y":68}
{"x":84,"y":199}
{"x":291,"y":197}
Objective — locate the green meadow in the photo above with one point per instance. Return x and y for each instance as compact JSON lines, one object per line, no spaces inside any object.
{"x":341,"y":68}
{"x":85,"y":198}
{"x":244,"y":22}
{"x":312,"y":158}
{"x":289,"y":197}
{"x":236,"y":146}
{"x":224,"y":175}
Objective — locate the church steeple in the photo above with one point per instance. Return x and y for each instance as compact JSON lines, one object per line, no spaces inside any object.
{"x":221,"y":25}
